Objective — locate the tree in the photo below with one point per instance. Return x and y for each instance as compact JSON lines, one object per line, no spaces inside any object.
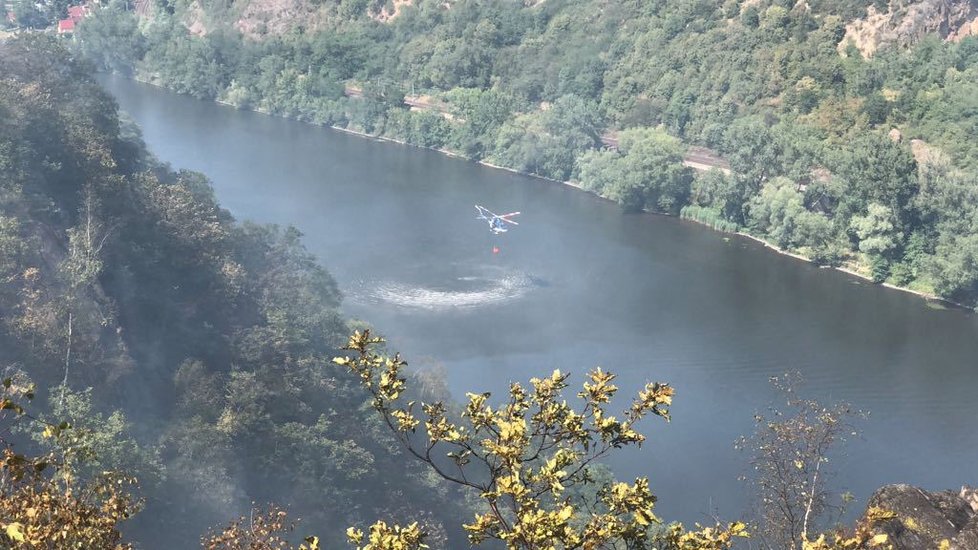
{"x":424,"y":128}
{"x":751,"y":17}
{"x":524,"y":455}
{"x":13,"y":248}
{"x":779,"y":212}
{"x":790,"y":451}
{"x":602,"y":172}
{"x":44,"y":503}
{"x":954,"y":266}
{"x":657,"y":160}
{"x":751,"y":149}
{"x":28,"y":15}
{"x":262,"y":529}
{"x":480,"y":114}
{"x":79,"y":272}
{"x":878,"y":237}
{"x":875,"y":169}
{"x":110,"y":38}
{"x":546,"y":143}
{"x":104,"y":442}
{"x":646,"y":172}
{"x":721,"y":192}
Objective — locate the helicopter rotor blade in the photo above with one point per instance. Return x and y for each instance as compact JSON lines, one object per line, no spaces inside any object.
{"x":505,"y":217}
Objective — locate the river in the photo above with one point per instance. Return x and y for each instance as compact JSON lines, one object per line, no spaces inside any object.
{"x":579,"y":284}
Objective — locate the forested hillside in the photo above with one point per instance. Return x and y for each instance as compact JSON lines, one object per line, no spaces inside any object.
{"x":183,"y":347}
{"x":867,"y":162}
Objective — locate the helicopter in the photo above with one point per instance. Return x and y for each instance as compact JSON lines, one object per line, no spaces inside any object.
{"x":497,"y":222}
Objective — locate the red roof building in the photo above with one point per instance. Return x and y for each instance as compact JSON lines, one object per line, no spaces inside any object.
{"x":77,"y":12}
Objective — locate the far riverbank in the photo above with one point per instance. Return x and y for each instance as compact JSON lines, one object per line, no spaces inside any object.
{"x":928,"y":297}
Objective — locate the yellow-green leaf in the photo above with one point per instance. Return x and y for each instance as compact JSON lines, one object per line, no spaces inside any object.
{"x":15,"y":531}
{"x":354,"y":535}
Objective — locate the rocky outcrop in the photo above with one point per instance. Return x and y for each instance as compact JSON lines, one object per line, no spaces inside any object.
{"x":906,"y":22}
{"x":388,"y":11}
{"x":261,"y":18}
{"x":927,"y":521}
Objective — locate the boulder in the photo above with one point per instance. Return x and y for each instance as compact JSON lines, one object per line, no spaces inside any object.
{"x":924,"y":520}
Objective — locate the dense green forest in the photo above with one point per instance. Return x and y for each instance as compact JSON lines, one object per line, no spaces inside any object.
{"x":183,"y":347}
{"x":191,"y":350}
{"x":805,"y":121}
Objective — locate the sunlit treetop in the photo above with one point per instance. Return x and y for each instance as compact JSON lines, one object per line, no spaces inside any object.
{"x":523,"y":456}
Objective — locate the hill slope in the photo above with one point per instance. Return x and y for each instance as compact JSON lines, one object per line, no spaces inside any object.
{"x":212,"y":336}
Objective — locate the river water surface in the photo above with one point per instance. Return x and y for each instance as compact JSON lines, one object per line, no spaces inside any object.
{"x":579,"y":284}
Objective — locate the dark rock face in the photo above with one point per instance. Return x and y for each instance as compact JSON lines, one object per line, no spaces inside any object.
{"x":925,"y":520}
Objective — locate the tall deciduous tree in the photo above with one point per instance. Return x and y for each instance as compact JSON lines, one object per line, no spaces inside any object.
{"x":790,"y":452}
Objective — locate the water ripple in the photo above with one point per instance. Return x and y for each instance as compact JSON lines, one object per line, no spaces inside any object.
{"x":461,"y":292}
